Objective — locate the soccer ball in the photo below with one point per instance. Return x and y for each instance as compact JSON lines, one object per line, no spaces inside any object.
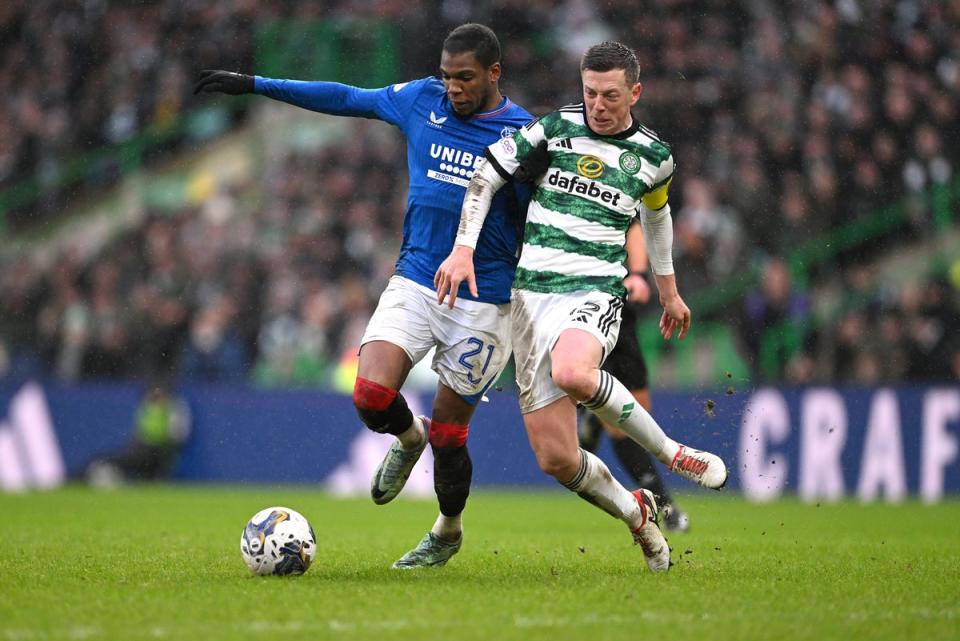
{"x":278,"y":540}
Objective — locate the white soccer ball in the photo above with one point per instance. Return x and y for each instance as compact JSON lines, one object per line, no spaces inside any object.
{"x":278,"y":540}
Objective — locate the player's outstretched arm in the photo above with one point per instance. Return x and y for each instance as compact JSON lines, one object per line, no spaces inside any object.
{"x":316,"y":95}
{"x":458,"y":266}
{"x":229,"y":82}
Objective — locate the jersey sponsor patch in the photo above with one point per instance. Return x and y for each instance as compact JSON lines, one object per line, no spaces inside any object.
{"x":456,"y":165}
{"x":447,"y":178}
{"x":589,"y":188}
{"x":590,"y":167}
{"x":508,"y":147}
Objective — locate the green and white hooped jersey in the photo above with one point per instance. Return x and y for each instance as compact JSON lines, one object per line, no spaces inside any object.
{"x":578,"y":217}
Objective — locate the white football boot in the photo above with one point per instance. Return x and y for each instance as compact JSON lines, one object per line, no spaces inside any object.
{"x":395,"y":468}
{"x":648,"y":536}
{"x":703,"y":468}
{"x":431,"y":552}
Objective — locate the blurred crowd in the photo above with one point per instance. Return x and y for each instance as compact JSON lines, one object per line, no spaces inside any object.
{"x":213,"y":295}
{"x":77,"y":77}
{"x":788,"y":121}
{"x":877,"y":332}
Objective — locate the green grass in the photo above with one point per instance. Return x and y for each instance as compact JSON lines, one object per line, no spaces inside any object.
{"x":164,"y":563}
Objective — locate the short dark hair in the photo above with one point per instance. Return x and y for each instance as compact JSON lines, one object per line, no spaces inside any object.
{"x":477,"y":39}
{"x":612,"y":55}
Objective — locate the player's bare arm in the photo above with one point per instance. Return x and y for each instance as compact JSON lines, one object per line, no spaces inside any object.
{"x":458,"y":266}
{"x":676,"y":314}
{"x":455,"y":269}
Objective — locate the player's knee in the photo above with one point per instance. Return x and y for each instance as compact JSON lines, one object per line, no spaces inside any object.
{"x":447,"y":435}
{"x":381,"y":409}
{"x":393,"y":420}
{"x":573,"y":380}
{"x":374,"y":420}
{"x":558,"y":464}
{"x":368,"y":395}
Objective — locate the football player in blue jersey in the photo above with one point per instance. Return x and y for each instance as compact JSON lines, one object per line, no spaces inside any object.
{"x":448,"y":123}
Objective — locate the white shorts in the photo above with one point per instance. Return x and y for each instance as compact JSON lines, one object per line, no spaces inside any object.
{"x":472,"y":339}
{"x":538,"y":321}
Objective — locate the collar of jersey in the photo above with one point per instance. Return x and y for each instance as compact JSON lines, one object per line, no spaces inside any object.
{"x":626,"y":133}
{"x":504,"y":104}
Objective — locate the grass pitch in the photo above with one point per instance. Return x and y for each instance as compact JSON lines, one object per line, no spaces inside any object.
{"x":164,"y":563}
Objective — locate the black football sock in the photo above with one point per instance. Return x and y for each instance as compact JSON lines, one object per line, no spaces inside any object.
{"x":452,"y":472}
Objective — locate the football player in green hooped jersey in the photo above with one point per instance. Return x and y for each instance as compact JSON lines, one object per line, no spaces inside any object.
{"x":604,"y":169}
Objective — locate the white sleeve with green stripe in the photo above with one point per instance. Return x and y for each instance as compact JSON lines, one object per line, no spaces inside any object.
{"x":657,"y":222}
{"x":507,"y":153}
{"x":483,"y":185}
{"x":492,"y":174}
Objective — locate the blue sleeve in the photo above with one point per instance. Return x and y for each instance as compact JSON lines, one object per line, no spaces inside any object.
{"x":524,"y":195}
{"x":391,"y":104}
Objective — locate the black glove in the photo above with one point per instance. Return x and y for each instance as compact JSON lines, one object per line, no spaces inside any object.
{"x":534,"y":165}
{"x":212,"y":80}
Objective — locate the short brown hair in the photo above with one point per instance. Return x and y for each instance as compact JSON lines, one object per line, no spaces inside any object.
{"x":612,"y":55}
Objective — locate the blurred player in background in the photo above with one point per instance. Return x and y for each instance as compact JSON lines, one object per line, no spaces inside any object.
{"x":568,"y":288}
{"x":626,"y":364}
{"x":161,"y":427}
{"x":448,"y":122}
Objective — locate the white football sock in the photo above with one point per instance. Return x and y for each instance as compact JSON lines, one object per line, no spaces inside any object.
{"x":413,"y":436}
{"x":615,"y":405}
{"x":594,"y":483}
{"x":448,"y":528}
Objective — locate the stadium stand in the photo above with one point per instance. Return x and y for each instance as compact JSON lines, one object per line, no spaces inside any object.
{"x":817,"y":144}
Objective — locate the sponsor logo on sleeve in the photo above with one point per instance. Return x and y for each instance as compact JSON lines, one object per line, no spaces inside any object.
{"x":508,"y":147}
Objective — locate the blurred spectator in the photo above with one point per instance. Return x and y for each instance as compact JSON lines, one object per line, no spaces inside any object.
{"x":23,"y":290}
{"x":213,"y":351}
{"x":109,"y":344}
{"x":931,"y":324}
{"x":774,"y":322}
{"x":708,"y":238}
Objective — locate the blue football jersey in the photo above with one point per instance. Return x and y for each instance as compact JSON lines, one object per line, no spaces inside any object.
{"x":442,"y":151}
